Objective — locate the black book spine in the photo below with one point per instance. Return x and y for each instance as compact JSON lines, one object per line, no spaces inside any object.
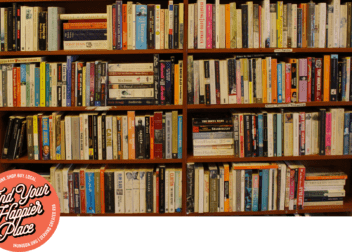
{"x":230,"y":75}
{"x":248,"y":135}
{"x":8,"y":135}
{"x":248,"y":190}
{"x":260,"y":190}
{"x":176,"y":24}
{"x":14,"y":139}
{"x":9,"y":28}
{"x":206,"y":99}
{"x":206,"y":121}
{"x":77,"y":196}
{"x":244,"y":25}
{"x":254,"y":136}
{"x":140,"y":136}
{"x":59,"y":84}
{"x":165,"y":96}
{"x":296,"y":190}
{"x":339,"y":90}
{"x":103,"y":137}
{"x":190,"y":188}
{"x":313,"y":79}
{"x":334,"y":79}
{"x":257,"y":137}
{"x":79,"y":84}
{"x":207,"y":94}
{"x":147,"y":137}
{"x":236,"y":133}
{"x":104,"y":83}
{"x":149,"y":191}
{"x":322,"y":131}
{"x":164,"y":135}
{"x":265,"y":131}
{"x":156,"y":78}
{"x":254,"y":79}
{"x":150,"y":26}
{"x":42,"y":30}
{"x":18,"y":28}
{"x":109,"y":186}
{"x":172,"y":78}
{"x":190,"y":81}
{"x":162,"y":189}
{"x":95,"y":136}
{"x":22,"y":139}
{"x":217,"y":81}
{"x":14,"y":26}
{"x":275,"y":134}
{"x":97,"y":88}
{"x":90,"y":136}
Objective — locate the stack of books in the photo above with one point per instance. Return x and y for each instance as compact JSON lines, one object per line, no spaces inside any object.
{"x":99,"y":189}
{"x":262,"y":79}
{"x":240,"y":187}
{"x":95,"y":136}
{"x":324,"y":187}
{"x":85,"y":31}
{"x":269,"y":25}
{"x":212,"y":136}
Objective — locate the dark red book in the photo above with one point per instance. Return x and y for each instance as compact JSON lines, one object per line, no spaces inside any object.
{"x":158,"y":135}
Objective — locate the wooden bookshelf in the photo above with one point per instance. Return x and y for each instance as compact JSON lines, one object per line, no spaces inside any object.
{"x":185,"y":108}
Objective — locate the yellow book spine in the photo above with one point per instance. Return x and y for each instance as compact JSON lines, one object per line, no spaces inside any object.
{"x":265,"y":99}
{"x":279,"y":23}
{"x":228,"y":25}
{"x":177,"y":84}
{"x":233,"y":24}
{"x":326,"y":92}
{"x":84,"y":87}
{"x":226,"y":180}
{"x":42,"y":84}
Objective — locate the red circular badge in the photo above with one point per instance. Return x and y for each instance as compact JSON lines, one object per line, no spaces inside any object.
{"x":29,"y":210}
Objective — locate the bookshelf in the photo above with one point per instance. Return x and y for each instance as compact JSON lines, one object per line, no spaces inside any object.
{"x":95,"y":6}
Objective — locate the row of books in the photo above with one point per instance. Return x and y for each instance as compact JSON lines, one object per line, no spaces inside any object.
{"x":94,"y":136}
{"x":28,"y":28}
{"x":240,"y":187}
{"x":276,"y":134}
{"x":99,"y":189}
{"x":243,"y":80}
{"x":34,"y":82}
{"x":269,"y":25}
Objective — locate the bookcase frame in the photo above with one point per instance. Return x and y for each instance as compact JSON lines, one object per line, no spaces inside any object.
{"x":186,"y":110}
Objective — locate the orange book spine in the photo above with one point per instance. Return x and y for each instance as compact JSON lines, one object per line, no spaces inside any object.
{"x":102,"y":190}
{"x":18,"y":89}
{"x":325,"y":177}
{"x":82,"y":186}
{"x":124,"y":27}
{"x":119,"y":137}
{"x":227,"y":185}
{"x":255,"y":167}
{"x":294,"y":80}
{"x":131,"y":135}
{"x":326,"y":85}
{"x":79,"y":26}
{"x":152,"y":137}
{"x":228,"y":26}
{"x":274,"y":80}
{"x":177,"y":84}
{"x":14,"y":83}
{"x":304,"y":24}
{"x":264,"y":73}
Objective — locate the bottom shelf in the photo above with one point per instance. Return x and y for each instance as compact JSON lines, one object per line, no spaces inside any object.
{"x":122,"y":215}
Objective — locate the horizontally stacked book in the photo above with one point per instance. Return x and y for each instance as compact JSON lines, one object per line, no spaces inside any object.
{"x":269,"y":25}
{"x":34,"y":82}
{"x":95,"y":136}
{"x":265,"y":134}
{"x":269,"y":80}
{"x":99,"y":189}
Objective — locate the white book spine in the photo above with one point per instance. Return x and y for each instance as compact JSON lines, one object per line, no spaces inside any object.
{"x":322,"y":25}
{"x":120,"y":191}
{"x":250,"y":25}
{"x":9,"y":87}
{"x":65,"y":190}
{"x":242,"y":190}
{"x":167,"y":178}
{"x":35,"y":28}
{"x":129,"y":25}
{"x":86,"y":45}
{"x":234,"y":191}
{"x":109,"y":137}
{"x":142,"y":191}
{"x":283,"y":186}
{"x":100,"y":145}
{"x":239,"y":28}
{"x":125,"y":137}
{"x":85,"y":138}
{"x":29,"y":28}
{"x":23,"y":27}
{"x":270,"y":194}
{"x":157,"y":26}
{"x":201,"y":24}
{"x":267,"y":23}
{"x":135,"y":186}
{"x":201,"y":190}
{"x":212,"y":82}
{"x":294,"y":26}
{"x":114,"y":137}
{"x":273,"y":37}
{"x":218,"y":24}
{"x":331,"y":26}
{"x":222,"y":190}
{"x":268,"y":79}
{"x":133,"y":26}
{"x":58,"y":188}
{"x":316,"y":26}
{"x":128,"y":192}
{"x":337,"y":20}
{"x":68,"y":138}
{"x":201,"y":78}
{"x":295,"y":134}
{"x":308,"y":134}
{"x":270,"y":135}
{"x":343,"y":26}
{"x":222,"y":26}
{"x":191,"y":26}
{"x":172,"y":191}
{"x":224,"y":83}
{"x":206,"y":193}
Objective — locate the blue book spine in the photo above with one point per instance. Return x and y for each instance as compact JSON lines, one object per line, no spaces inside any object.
{"x":260,"y":135}
{"x":90,"y":197}
{"x":344,"y":77}
{"x":265,"y":190}
{"x":279,"y":83}
{"x":119,"y":25}
{"x":95,"y":34}
{"x":46,"y":138}
{"x":87,"y":84}
{"x":299,"y":28}
{"x":37,"y":87}
{"x":279,"y":135}
{"x":346,"y":135}
{"x":141,"y":27}
{"x":248,"y":191}
{"x":23,"y":80}
{"x":350,"y":146}
{"x":255,"y":192}
{"x":28,"y":86}
{"x":47,"y":85}
{"x":179,"y":136}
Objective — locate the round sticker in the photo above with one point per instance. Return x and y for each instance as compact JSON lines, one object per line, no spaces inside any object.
{"x":29,"y":210}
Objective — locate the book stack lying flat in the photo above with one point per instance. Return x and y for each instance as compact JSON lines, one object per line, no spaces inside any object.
{"x":212,"y":136}
{"x":324,"y":187}
{"x":99,"y":189}
{"x":85,"y":31}
{"x":240,"y":187}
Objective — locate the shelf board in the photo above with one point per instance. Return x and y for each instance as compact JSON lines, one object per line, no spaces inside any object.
{"x":25,"y":160}
{"x":90,"y":52}
{"x":272,"y":50}
{"x":262,"y":105}
{"x":122,"y":215}
{"x":93,"y":109}
{"x":23,"y":1}
{"x":211,"y":159}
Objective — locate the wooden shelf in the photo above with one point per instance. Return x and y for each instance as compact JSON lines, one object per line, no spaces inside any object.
{"x":346,"y":207}
{"x":269,"y":105}
{"x":211,"y":159}
{"x":26,"y":1}
{"x":91,"y":52}
{"x":272,"y":50}
{"x":92,"y":109}
{"x":112,"y":214}
{"x":25,"y":160}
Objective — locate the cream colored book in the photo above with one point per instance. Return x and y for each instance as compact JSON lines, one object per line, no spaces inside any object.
{"x":128,"y":191}
{"x":206,"y":191}
{"x":119,"y":184}
{"x":233,"y":25}
{"x":142,"y":190}
{"x":191,"y":26}
{"x":167,"y":179}
{"x":239,"y":28}
{"x":114,"y":137}
{"x":171,"y":190}
{"x":196,"y":188}
{"x":136,"y":192}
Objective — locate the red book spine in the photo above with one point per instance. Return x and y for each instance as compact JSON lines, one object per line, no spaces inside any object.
{"x":85,"y":26}
{"x":309,"y":84}
{"x":18,"y":82}
{"x":73,"y":83}
{"x":152,"y":138}
{"x":301,"y":176}
{"x":328,"y":134}
{"x":158,"y":132}
{"x":14,"y":83}
{"x":288,"y":83}
{"x":292,"y":188}
{"x":114,"y":27}
{"x":302,"y":132}
{"x":124,"y":27}
{"x":71,"y":201}
{"x":157,"y":190}
{"x":40,"y":134}
{"x":82,"y":186}
{"x":86,"y":20}
{"x":318,"y":79}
